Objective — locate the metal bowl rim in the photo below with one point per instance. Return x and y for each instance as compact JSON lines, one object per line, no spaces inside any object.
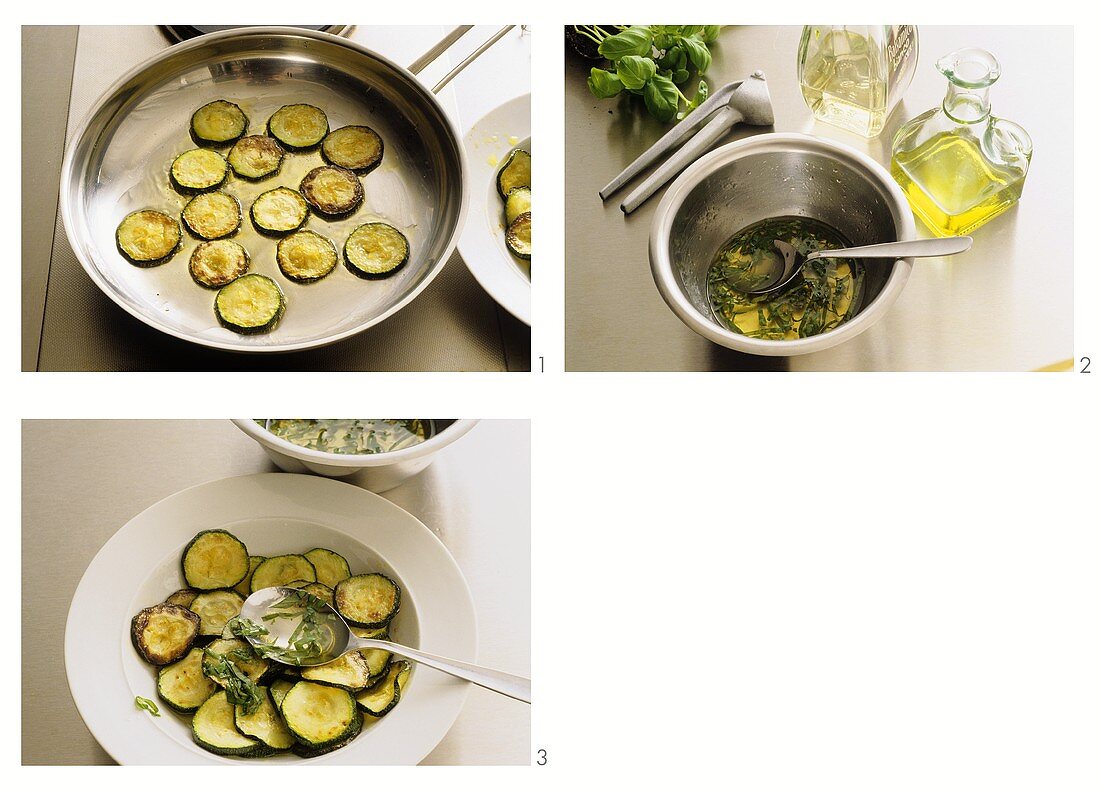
{"x":669,"y":207}
{"x":68,"y":210}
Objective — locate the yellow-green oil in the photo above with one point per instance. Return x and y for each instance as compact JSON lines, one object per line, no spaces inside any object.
{"x":952,"y":186}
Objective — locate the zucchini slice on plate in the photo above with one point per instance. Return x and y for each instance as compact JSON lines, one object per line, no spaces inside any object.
{"x":256,"y":156}
{"x":350,"y":671}
{"x":245,"y":588}
{"x":182,"y":597}
{"x":163,"y":633}
{"x":279,"y":688}
{"x":518,"y":202}
{"x":198,"y":170}
{"x":148,"y":237}
{"x":368,"y":601}
{"x":265,"y":724}
{"x":214,"y":728}
{"x":316,"y":589}
{"x":302,"y":750}
{"x":215,"y":609}
{"x":217,"y":263}
{"x":218,"y":123}
{"x":375,"y":250}
{"x":515,"y":173}
{"x":250,"y":304}
{"x":332,"y":191}
{"x":214,"y":560}
{"x":183,"y":686}
{"x":380,"y":699}
{"x":298,"y":125}
{"x":518,"y":236}
{"x":212,"y":215}
{"x":318,"y":715}
{"x":305,"y":256}
{"x":281,"y":570}
{"x":357,"y":148}
{"x":240,"y":654}
{"x":279,"y":210}
{"x":331,"y":567}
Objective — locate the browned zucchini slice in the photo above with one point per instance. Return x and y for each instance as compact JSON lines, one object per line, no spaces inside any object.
{"x":237,"y":652}
{"x":256,"y":156}
{"x":281,"y":570}
{"x":217,"y":263}
{"x":331,"y":567}
{"x":249,"y":305}
{"x":515,"y":173}
{"x":332,"y":191}
{"x":368,"y":601}
{"x":182,"y":597}
{"x":375,"y":250}
{"x":279,"y":210}
{"x":350,"y":672}
{"x":148,"y":237}
{"x":244,"y":588}
{"x":163,"y":633}
{"x":320,"y":716}
{"x":198,"y":170}
{"x":518,"y":236}
{"x":215,"y":609}
{"x":218,"y":123}
{"x":306,"y":256}
{"x":298,"y":125}
{"x":381,"y":698}
{"x":183,"y":686}
{"x":265,"y":724}
{"x":212,"y":215}
{"x":214,"y":560}
{"x":357,"y":148}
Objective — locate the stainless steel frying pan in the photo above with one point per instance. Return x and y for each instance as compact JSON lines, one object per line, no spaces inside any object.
{"x":118,"y":160}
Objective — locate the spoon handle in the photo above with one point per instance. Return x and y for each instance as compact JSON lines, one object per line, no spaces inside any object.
{"x":918,"y":248}
{"x":513,"y":686}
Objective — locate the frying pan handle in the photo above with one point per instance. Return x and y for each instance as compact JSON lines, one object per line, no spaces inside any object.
{"x":420,"y":63}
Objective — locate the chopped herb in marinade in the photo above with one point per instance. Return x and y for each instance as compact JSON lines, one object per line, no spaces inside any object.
{"x":350,"y":437}
{"x":827,"y":294}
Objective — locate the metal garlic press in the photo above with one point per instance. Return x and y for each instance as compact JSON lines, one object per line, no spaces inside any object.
{"x":745,"y":101}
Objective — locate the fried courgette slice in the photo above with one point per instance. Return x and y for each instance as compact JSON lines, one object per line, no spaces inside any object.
{"x":316,"y":589}
{"x":164,"y":633}
{"x":515,"y":173}
{"x":241,"y":655}
{"x":370,"y":600}
{"x":214,"y":560}
{"x":217,"y":263}
{"x":250,"y":305}
{"x":281,"y":570}
{"x":256,"y":157}
{"x":375,"y":250}
{"x":199,"y":170}
{"x":279,"y":210}
{"x":245,"y":588}
{"x":331,"y":567}
{"x":212,"y":215}
{"x":518,"y":236}
{"x":350,"y":672}
{"x":214,"y":728}
{"x":381,"y":698}
{"x":518,"y":202}
{"x":319,"y":715}
{"x":183,"y":686}
{"x":332,"y":191}
{"x":305,"y":256}
{"x":265,"y":724}
{"x":148,"y":237}
{"x":298,"y":126}
{"x":215,"y":609}
{"x":358,"y":148}
{"x":279,"y":688}
{"x":218,"y":123}
{"x":182,"y":597}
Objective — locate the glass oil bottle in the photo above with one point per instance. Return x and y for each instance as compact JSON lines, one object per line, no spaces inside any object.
{"x":958,"y":165}
{"x":853,"y":76}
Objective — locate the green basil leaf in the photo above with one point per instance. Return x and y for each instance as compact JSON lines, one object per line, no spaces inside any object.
{"x":636,"y":40}
{"x":680,"y":76}
{"x":147,"y":705}
{"x":661,"y":98}
{"x":697,"y":53}
{"x":710,"y":33}
{"x":691,"y":30}
{"x":635,"y":71}
{"x":604,"y":84}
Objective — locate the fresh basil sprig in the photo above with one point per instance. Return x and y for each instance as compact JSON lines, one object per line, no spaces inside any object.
{"x":652,"y":61}
{"x":147,"y":705}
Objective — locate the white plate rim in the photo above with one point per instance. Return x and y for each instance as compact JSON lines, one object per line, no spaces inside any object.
{"x":446,"y":615}
{"x":486,"y":259}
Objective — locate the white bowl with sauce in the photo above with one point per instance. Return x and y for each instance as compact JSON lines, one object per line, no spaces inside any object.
{"x":376,"y":472}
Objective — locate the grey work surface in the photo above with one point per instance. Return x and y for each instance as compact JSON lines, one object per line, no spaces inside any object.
{"x":1005,"y":305}
{"x":82,"y":480}
{"x":69,"y":324}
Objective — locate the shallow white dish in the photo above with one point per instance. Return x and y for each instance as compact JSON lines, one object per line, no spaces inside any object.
{"x":272,"y":513}
{"x":505,"y":277}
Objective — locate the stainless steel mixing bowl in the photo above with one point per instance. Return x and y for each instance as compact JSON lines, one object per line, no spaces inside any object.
{"x":776,"y":175}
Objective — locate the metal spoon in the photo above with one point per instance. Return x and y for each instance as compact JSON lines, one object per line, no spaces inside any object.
{"x":793,"y":260}
{"x":343,"y":641}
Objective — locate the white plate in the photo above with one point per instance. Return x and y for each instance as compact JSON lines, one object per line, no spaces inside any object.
{"x":272,"y":514}
{"x":505,"y":277}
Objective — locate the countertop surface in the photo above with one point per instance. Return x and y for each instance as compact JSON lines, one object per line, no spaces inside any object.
{"x":1005,"y":305}
{"x":68,"y":324}
{"x":475,"y":497}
